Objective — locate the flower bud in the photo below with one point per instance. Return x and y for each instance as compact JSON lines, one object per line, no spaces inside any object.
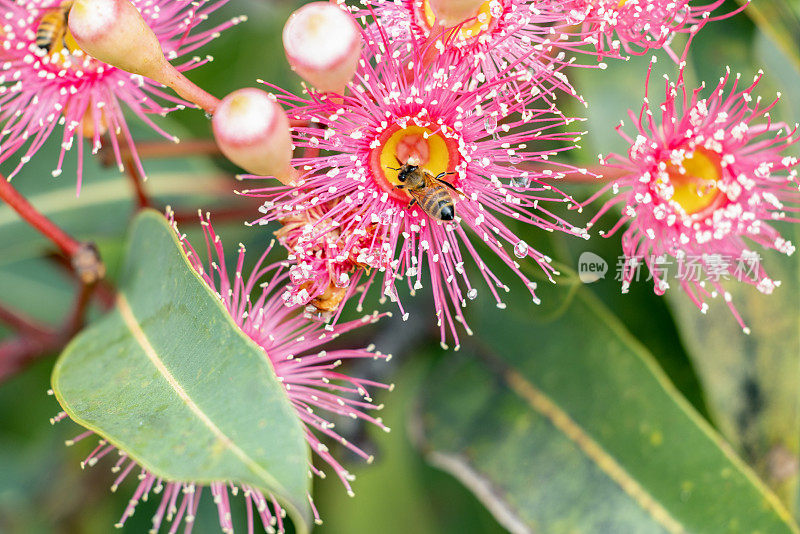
{"x":252,"y":131}
{"x":323,"y":44}
{"x":114,"y":32}
{"x":452,"y":12}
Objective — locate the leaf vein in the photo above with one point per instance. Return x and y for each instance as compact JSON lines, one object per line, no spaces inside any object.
{"x":141,"y":338}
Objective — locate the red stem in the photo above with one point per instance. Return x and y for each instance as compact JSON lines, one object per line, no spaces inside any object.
{"x":19,"y":352}
{"x":20,"y":322}
{"x":65,"y":243}
{"x":186,"y":89}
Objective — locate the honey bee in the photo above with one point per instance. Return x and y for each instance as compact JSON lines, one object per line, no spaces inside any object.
{"x":429,"y":191}
{"x":52,"y":33}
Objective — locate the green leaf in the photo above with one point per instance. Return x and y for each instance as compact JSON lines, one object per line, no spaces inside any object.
{"x":440,"y":505}
{"x":752,"y":381}
{"x":568,"y":425}
{"x":780,"y":20}
{"x":171,"y":380}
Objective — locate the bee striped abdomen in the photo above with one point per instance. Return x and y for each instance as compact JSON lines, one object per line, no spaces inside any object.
{"x":439,"y":203}
{"x":52,"y":28}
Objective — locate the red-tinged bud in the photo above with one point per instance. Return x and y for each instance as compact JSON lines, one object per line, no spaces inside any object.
{"x":453,"y":12}
{"x":252,"y":130}
{"x":323,"y":44}
{"x":114,"y":32}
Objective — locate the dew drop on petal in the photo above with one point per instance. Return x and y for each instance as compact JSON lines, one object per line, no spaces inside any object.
{"x":520,"y":181}
{"x":490,"y":123}
{"x":472,"y":294}
{"x":521,"y":249}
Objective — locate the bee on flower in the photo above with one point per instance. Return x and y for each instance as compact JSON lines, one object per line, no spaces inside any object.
{"x":310,"y":375}
{"x":50,"y":87}
{"x":377,"y":155}
{"x":705,"y":179}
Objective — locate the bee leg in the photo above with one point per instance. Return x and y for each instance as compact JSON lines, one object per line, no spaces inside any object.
{"x":448,"y":184}
{"x":413,"y":201}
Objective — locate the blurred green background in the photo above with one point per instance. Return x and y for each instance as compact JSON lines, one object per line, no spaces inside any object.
{"x":745,"y":387}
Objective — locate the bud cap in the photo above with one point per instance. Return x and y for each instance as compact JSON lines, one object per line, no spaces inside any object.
{"x":323,"y":44}
{"x":252,"y":130}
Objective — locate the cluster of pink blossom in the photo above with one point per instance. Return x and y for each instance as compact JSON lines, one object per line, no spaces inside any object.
{"x":428,"y":137}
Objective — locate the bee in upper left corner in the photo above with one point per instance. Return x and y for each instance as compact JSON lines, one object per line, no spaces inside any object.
{"x":429,"y":191}
{"x":51,"y":34}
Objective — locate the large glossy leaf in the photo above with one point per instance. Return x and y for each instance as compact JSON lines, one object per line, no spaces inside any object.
{"x":567,"y":425}
{"x":169,"y":378}
{"x":752,"y":383}
{"x":422,"y":500}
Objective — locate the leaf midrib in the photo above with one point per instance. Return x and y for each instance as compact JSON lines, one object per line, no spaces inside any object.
{"x":509,"y":375}
{"x":130,"y":321}
{"x":542,"y":404}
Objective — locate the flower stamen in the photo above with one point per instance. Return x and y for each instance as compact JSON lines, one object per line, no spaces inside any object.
{"x":695,"y":182}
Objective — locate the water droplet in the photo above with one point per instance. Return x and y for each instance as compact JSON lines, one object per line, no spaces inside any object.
{"x":472,"y":294}
{"x":490,"y":123}
{"x":520,"y":181}
{"x":521,"y":249}
{"x":337,"y":141}
{"x":209,"y":116}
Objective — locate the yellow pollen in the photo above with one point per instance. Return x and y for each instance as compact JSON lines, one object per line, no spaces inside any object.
{"x":696,"y":189}
{"x":316,"y":23}
{"x":472,"y":28}
{"x":417,"y":144}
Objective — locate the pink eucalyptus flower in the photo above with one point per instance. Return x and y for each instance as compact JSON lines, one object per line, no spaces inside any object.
{"x":502,"y":33}
{"x":325,"y":266}
{"x":46,"y":79}
{"x":482,"y":141}
{"x":312,"y":382}
{"x":703,"y":182}
{"x":636,"y":26}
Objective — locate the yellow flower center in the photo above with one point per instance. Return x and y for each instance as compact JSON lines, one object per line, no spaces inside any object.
{"x":696,"y":189}
{"x":471,"y":27}
{"x":416,"y":145}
